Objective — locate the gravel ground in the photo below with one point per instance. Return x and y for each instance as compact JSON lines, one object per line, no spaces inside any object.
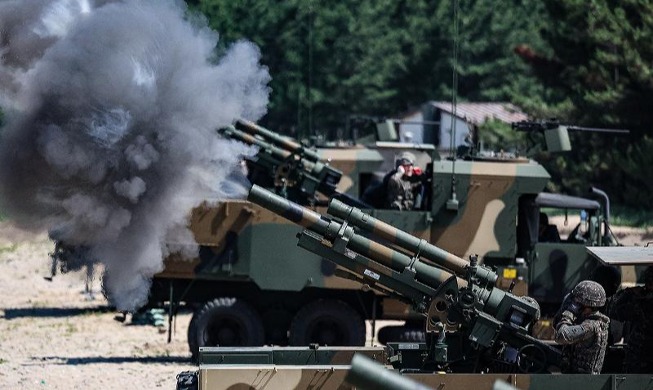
{"x":52,"y":336}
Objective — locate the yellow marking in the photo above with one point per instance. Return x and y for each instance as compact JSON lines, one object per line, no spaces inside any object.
{"x":509,"y":273}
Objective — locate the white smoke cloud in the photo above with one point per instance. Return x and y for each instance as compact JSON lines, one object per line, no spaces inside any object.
{"x":110,"y":141}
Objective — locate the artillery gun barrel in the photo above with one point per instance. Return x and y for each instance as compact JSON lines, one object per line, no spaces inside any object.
{"x":330,"y":230}
{"x":367,"y":374}
{"x":249,"y":139}
{"x":284,"y":143}
{"x":390,"y":233}
{"x":281,"y":154}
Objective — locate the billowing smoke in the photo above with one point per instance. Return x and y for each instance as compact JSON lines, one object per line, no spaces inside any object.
{"x":111,"y":109}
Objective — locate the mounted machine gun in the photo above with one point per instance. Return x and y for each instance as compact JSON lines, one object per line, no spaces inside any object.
{"x":556,"y":135}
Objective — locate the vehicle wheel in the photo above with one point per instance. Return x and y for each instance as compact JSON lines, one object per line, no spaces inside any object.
{"x":403,"y":334}
{"x":226,"y":322}
{"x":327,"y":322}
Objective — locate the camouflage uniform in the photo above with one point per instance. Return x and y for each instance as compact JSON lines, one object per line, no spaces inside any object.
{"x":399,"y":194}
{"x":635,"y":305}
{"x":585,"y":337}
{"x":399,"y":190}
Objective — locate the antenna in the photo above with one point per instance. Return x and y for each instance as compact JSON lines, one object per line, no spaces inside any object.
{"x":311,"y":16}
{"x":452,"y":203}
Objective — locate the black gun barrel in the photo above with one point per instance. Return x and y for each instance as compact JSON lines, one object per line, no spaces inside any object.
{"x":390,"y":233}
{"x":425,"y":273}
{"x":284,"y":143}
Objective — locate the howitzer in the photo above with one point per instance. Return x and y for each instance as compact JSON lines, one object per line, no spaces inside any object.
{"x":293,"y":170}
{"x":472,"y":326}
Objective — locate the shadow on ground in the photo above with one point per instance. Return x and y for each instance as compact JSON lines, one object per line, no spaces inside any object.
{"x":53,"y":312}
{"x":112,"y":360}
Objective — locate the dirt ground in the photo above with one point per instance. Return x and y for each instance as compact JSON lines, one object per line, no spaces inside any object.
{"x":53,"y":336}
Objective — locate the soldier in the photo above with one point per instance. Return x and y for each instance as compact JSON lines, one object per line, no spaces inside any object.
{"x":582,"y":329}
{"x":547,"y":232}
{"x":635,"y":305}
{"x":399,"y":188}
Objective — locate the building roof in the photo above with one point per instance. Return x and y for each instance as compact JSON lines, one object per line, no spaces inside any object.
{"x":477,"y":113}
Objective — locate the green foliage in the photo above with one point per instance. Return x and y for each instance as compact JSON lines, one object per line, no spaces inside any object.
{"x":602,"y":60}
{"x":331,"y":59}
{"x":600,"y":69}
{"x":587,"y":63}
{"x":633,"y":217}
{"x":495,"y":135}
{"x":635,"y":176}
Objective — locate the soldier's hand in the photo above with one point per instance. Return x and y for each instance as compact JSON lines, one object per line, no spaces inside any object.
{"x":568,"y":317}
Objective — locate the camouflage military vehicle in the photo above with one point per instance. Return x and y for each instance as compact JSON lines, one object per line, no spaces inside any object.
{"x":253,"y":286}
{"x":478,"y":336}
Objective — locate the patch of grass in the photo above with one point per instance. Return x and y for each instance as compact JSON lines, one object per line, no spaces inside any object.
{"x":625,"y":216}
{"x":8,"y":249}
{"x":70,"y":328}
{"x":3,"y":361}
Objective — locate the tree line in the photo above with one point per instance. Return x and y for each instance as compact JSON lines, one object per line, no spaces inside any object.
{"x":585,"y":63}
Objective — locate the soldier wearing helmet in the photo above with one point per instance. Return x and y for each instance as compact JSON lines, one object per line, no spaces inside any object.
{"x":583,"y":329}
{"x":635,"y":305}
{"x":399,"y":186}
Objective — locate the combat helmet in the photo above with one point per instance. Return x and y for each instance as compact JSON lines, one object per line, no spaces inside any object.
{"x":589,"y":293}
{"x":405,"y":158}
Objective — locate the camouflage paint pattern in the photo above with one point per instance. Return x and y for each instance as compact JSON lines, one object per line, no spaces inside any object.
{"x":269,"y":378}
{"x":488,"y":195}
{"x":274,"y":138}
{"x":240,"y":377}
{"x":404,"y":240}
{"x":371,"y":249}
{"x":484,"y":223}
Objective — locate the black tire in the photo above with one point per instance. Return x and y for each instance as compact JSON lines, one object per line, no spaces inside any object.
{"x":327,"y":322}
{"x":227,"y":322}
{"x":403,"y":334}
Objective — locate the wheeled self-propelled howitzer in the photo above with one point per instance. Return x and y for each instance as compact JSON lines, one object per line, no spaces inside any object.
{"x":472,"y":326}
